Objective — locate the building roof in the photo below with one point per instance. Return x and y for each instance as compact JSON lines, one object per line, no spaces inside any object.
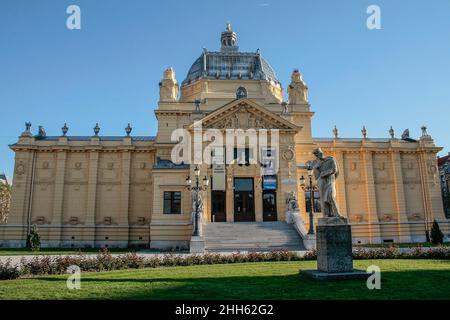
{"x":443,"y":160}
{"x":230,"y":64}
{"x":102,"y":138}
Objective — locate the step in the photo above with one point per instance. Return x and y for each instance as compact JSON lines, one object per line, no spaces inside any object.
{"x":253,"y":236}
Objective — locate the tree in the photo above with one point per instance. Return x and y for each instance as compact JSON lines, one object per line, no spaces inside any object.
{"x":5,"y":201}
{"x":437,"y":237}
{"x":33,"y":239}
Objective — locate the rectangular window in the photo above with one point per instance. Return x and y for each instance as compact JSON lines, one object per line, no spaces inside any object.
{"x":243,"y":155}
{"x":269,"y":160}
{"x":316,"y":202}
{"x":218,"y":155}
{"x":172,"y":202}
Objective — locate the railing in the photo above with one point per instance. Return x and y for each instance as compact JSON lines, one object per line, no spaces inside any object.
{"x":309,"y":240}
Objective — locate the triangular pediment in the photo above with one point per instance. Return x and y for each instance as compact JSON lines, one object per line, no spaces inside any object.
{"x":245,"y":114}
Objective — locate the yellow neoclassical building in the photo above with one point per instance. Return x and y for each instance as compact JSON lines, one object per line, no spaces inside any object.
{"x":128,"y":190}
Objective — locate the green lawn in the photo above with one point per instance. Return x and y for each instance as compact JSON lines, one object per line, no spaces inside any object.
{"x":401,"y":245}
{"x":400,"y":279}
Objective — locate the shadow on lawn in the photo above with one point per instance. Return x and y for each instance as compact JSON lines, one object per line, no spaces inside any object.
{"x":420,"y":284}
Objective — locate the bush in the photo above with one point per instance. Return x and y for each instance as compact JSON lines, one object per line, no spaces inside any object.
{"x":8,"y":271}
{"x":33,"y":239}
{"x":437,"y":237}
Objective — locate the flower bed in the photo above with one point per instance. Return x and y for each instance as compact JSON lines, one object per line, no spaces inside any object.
{"x":105,"y":261}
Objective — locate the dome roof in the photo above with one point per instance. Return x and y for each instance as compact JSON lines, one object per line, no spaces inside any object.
{"x":230,"y":64}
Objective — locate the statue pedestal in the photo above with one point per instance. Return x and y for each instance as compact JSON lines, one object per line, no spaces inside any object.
{"x":334,"y":251}
{"x":197,"y":244}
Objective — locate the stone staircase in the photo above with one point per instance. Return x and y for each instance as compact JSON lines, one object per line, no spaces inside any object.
{"x":251,"y":236}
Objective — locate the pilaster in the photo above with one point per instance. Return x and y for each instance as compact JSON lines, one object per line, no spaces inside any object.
{"x":60,"y":172}
{"x":371,"y":201}
{"x":89,"y":231}
{"x":399,"y":197}
{"x":340,"y":184}
{"x":125,"y":188}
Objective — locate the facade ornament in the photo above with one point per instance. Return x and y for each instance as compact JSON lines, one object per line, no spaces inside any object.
{"x":168,"y":87}
{"x":364,"y":132}
{"x":297,"y":89}
{"x":241,"y":93}
{"x":288,"y":154}
{"x":128,"y":130}
{"x":392,"y":133}
{"x":335,"y":132}
{"x":64,"y":129}
{"x":20,"y":168}
{"x":96,"y":129}
{"x":326,"y":171}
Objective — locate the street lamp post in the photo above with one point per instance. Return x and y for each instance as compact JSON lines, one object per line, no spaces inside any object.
{"x":309,"y":188}
{"x":196,"y":189}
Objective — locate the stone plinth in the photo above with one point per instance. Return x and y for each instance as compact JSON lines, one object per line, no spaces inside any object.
{"x":334,"y":252}
{"x":334,"y":245}
{"x":197,"y":245}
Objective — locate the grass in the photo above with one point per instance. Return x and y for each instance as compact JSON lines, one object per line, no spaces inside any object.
{"x":56,"y":251}
{"x":401,"y":245}
{"x":400,"y":279}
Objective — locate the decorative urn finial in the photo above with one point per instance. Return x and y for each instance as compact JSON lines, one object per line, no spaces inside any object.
{"x":96,"y":129}
{"x":64,"y":129}
{"x":128,"y":130}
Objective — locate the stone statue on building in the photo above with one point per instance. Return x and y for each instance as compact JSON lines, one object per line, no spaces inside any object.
{"x":168,"y":87}
{"x":41,"y":133}
{"x":297,"y":89}
{"x":200,"y":207}
{"x":291,"y":201}
{"x":325,"y":172}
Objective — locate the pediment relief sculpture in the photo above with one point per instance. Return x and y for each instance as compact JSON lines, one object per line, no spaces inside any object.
{"x":244,"y":117}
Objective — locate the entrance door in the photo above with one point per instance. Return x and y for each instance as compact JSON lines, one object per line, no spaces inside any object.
{"x":244,"y":201}
{"x":218,"y":212}
{"x":269,"y":198}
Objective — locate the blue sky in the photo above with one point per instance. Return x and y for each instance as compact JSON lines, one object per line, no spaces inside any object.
{"x":108,"y":72}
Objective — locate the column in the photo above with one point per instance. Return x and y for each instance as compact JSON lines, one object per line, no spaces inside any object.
{"x":230,"y":198}
{"x":258,"y":199}
{"x":371,"y":201}
{"x":399,"y":198}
